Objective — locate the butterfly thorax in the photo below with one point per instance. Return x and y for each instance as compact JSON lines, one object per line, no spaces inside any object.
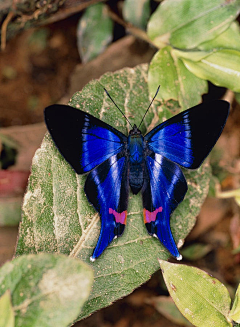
{"x":136,"y":159}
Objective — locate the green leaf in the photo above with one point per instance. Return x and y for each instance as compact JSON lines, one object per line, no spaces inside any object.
{"x":58,"y":218}
{"x":196,"y":251}
{"x":202,"y":299}
{"x":177,"y":82}
{"x":235,"y":311}
{"x":222,"y":68}
{"x":185,"y":23}
{"x":94,"y":32}
{"x":47,"y":289}
{"x":137,"y":12}
{"x":229,"y":39}
{"x":166,"y":306}
{"x":6,"y":310}
{"x":10,"y":211}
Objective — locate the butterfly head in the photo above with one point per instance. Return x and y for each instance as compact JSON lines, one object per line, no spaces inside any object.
{"x":135,"y":131}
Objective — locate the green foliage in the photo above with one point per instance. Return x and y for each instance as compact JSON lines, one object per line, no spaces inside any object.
{"x":7,"y":318}
{"x":94,"y":32}
{"x":196,"y":251}
{"x":202,"y":299}
{"x":177,"y":83}
{"x":203,"y":37}
{"x":185,"y":24}
{"x":137,"y":12}
{"x":58,"y":218}
{"x":196,"y":41}
{"x":43,"y":290}
{"x":166,"y":306}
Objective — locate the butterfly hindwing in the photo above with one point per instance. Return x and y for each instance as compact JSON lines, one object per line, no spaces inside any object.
{"x":164,"y":188}
{"x":107,"y":188}
{"x":83,"y":140}
{"x":188,"y":137}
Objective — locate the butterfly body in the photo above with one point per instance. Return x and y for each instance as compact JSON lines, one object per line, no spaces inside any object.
{"x":116,"y":163}
{"x":136,"y":157}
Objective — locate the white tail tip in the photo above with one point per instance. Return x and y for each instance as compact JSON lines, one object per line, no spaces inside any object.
{"x":179,"y":257}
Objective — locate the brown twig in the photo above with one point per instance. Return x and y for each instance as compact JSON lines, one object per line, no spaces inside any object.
{"x":4,"y":29}
{"x":130,"y":28}
{"x":68,"y":9}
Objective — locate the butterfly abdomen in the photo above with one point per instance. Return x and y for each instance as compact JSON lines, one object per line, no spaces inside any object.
{"x":136,"y":161}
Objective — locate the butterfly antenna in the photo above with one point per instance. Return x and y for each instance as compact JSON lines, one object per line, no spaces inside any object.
{"x":117,"y":107}
{"x":149,"y":106}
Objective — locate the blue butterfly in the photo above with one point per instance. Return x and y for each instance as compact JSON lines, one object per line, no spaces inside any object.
{"x":149,"y":164}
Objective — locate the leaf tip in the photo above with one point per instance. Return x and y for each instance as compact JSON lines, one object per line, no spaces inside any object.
{"x":160,"y":261}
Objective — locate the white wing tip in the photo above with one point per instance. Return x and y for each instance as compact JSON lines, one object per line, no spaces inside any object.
{"x":179,"y":257}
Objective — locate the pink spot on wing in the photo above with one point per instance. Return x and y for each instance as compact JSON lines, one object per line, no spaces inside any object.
{"x":119,"y":217}
{"x":151,"y":216}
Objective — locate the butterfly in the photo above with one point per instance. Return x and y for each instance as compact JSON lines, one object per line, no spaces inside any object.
{"x":151,"y":164}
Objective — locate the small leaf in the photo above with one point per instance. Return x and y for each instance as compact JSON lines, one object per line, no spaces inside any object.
{"x":58,"y":218}
{"x":196,"y":251}
{"x":137,"y":12}
{"x":222,"y":68}
{"x":10,"y":211}
{"x":235,"y":311}
{"x":185,"y":23}
{"x":94,"y":32}
{"x":6,"y":310}
{"x":177,"y":82}
{"x":47,"y":289}
{"x":202,"y":299}
{"x":166,"y":306}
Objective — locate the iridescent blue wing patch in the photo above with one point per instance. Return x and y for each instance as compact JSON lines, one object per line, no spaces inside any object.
{"x":107,"y":188}
{"x":83,"y":140}
{"x":164,"y":188}
{"x":188,"y":137}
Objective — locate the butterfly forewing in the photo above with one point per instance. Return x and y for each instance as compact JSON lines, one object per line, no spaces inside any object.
{"x":188,"y":137}
{"x":83,"y":140}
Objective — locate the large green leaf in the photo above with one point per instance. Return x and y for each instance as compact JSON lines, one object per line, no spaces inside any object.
{"x":58,"y":218}
{"x":202,"y":299}
{"x":94,"y":32}
{"x":222,"y":68}
{"x":46,"y":289}
{"x":229,"y":39}
{"x":177,"y":82}
{"x":185,"y":23}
